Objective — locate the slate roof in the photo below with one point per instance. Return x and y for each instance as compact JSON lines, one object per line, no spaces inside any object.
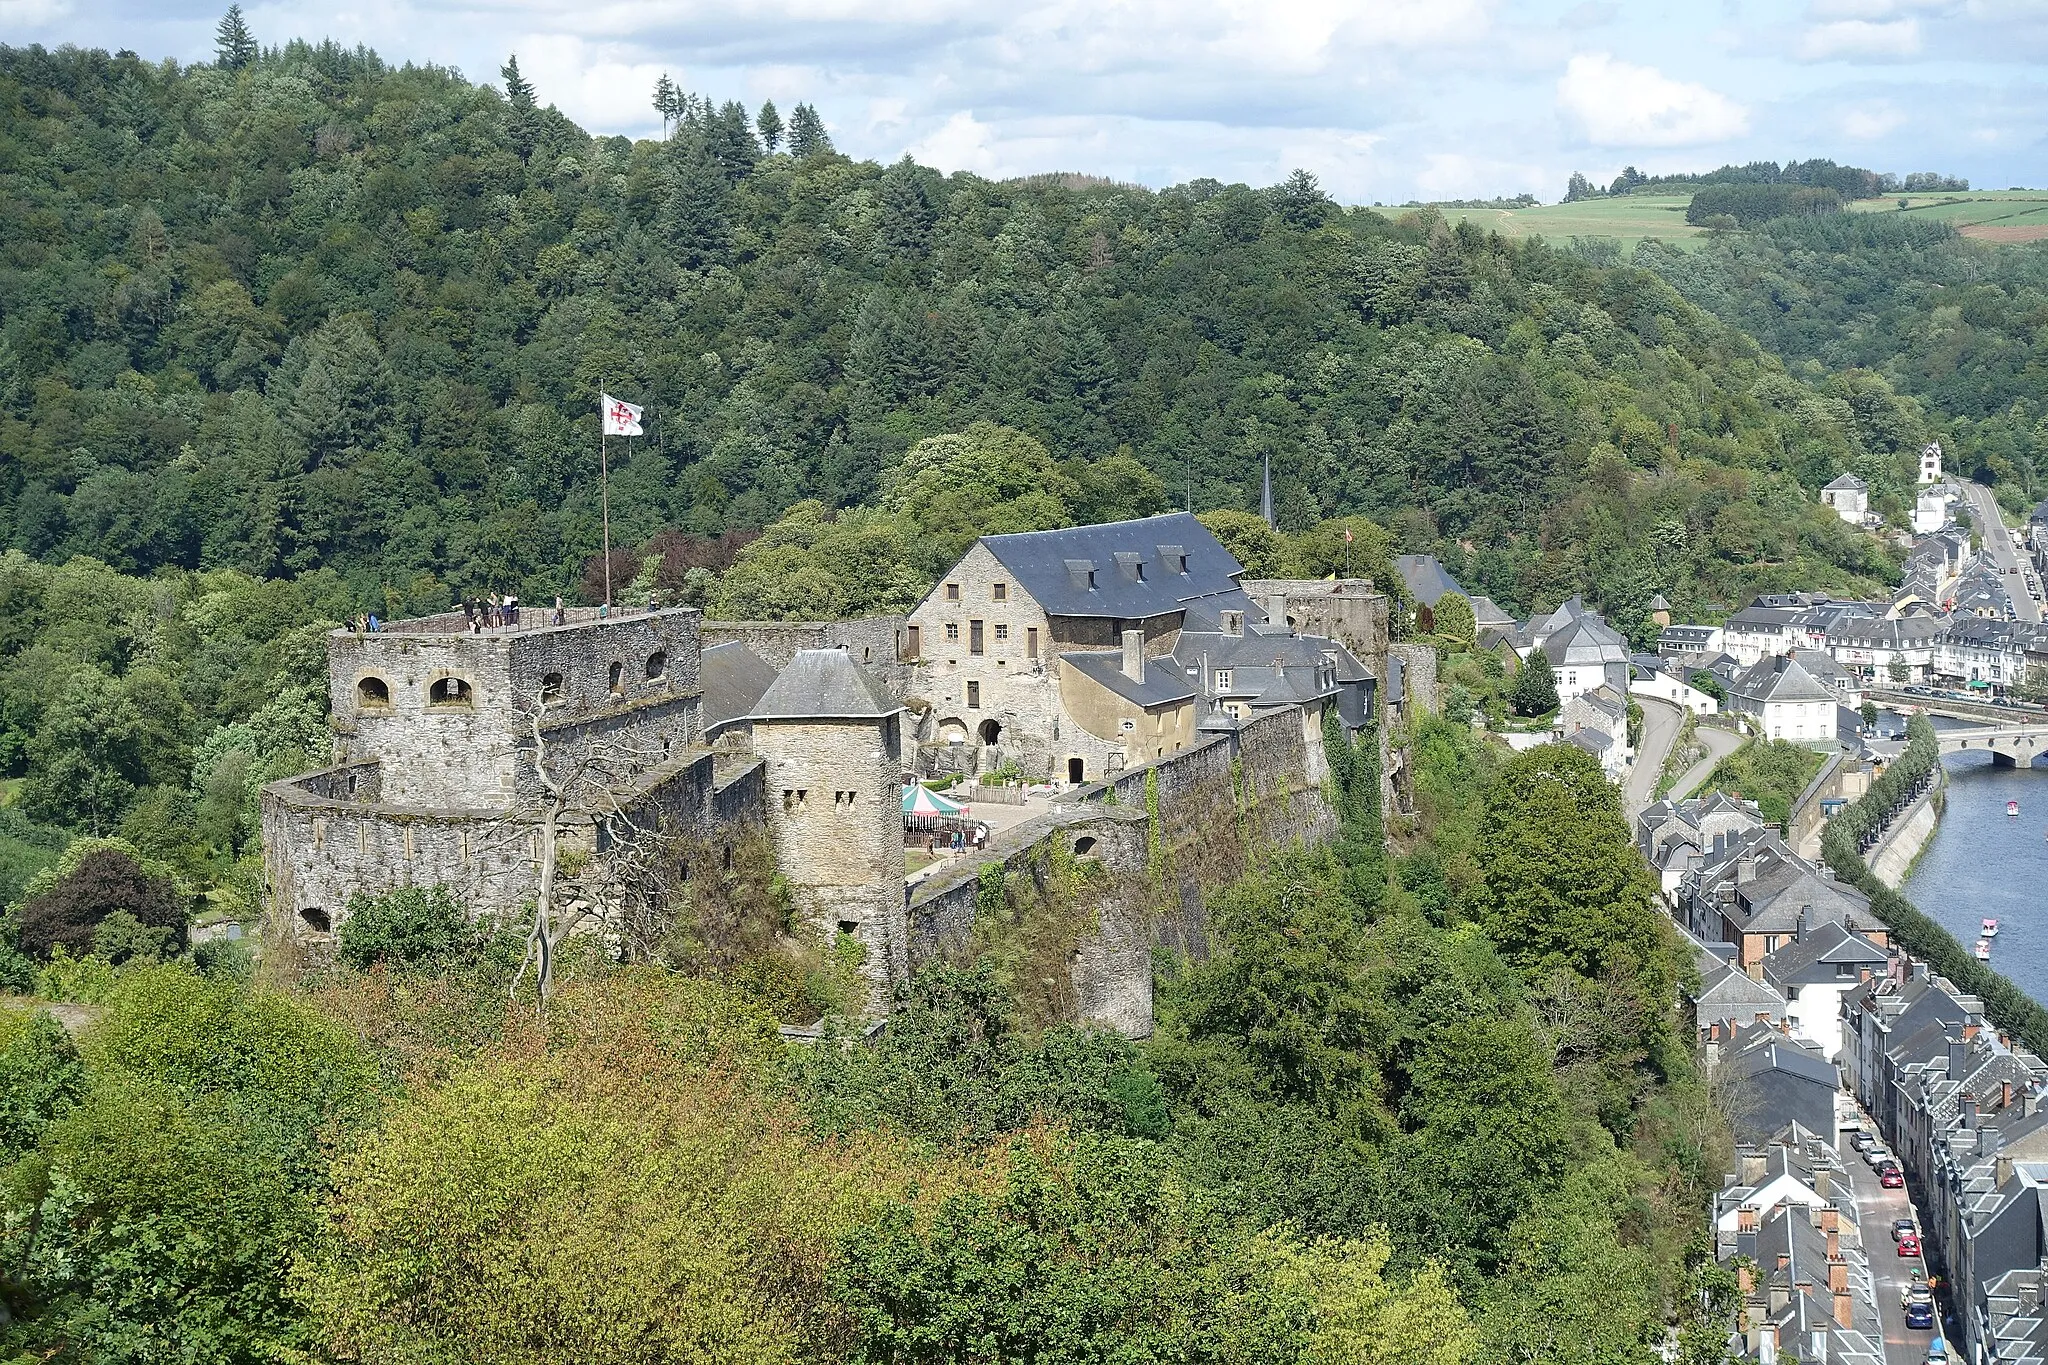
{"x":1812,"y":960}
{"x":734,"y":679}
{"x":1486,"y":613}
{"x":1729,"y":995}
{"x":825,"y":684}
{"x":1847,"y":483}
{"x":1166,"y":683}
{"x":1781,"y":678}
{"x":1130,"y":570}
{"x":1426,"y":577}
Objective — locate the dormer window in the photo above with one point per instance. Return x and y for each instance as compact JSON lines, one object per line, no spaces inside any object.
{"x":1081,"y":574}
{"x":1131,"y":566}
{"x":1173,"y":559}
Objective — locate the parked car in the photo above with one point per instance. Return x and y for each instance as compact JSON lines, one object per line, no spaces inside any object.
{"x":1909,"y":1245}
{"x":1916,"y":1290}
{"x":1937,"y":1354}
{"x":1920,"y":1316}
{"x":1877,"y":1154}
{"x":1902,"y":1226}
{"x":1891,"y":1178}
{"x":1860,"y":1140}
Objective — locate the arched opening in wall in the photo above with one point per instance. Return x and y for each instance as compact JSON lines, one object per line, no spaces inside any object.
{"x":1077,"y":770}
{"x":551,"y":688}
{"x":952,"y":732}
{"x":1084,"y":847}
{"x":450,"y":692}
{"x":617,"y":685}
{"x":316,"y":919}
{"x":372,"y":693}
{"x":657,"y":664}
{"x":991,"y":731}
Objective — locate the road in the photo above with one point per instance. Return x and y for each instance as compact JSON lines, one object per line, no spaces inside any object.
{"x":1998,"y":544}
{"x":1890,"y":1272}
{"x":1661,"y":720}
{"x":1720,"y":743}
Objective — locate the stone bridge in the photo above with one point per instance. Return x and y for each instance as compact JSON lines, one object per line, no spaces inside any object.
{"x":2010,"y":746}
{"x":2014,"y":735}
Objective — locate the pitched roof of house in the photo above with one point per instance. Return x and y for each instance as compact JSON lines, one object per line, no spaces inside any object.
{"x":734,"y":679}
{"x":1781,"y":678}
{"x":825,"y":684}
{"x":1166,"y":682}
{"x":1129,"y":570}
{"x":1427,"y":579}
{"x":1815,"y":957}
{"x":1846,"y":483}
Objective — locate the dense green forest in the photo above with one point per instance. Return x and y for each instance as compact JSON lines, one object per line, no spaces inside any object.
{"x":313,"y":311}
{"x":1960,"y":325}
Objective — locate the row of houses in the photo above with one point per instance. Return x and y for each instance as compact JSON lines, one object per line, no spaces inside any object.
{"x":1803,"y":999}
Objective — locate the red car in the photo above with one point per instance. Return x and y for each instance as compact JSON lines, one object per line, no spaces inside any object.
{"x":1909,"y":1245}
{"x":1892,"y":1178}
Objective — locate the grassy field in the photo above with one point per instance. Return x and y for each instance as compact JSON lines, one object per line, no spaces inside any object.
{"x":1990,"y":215}
{"x":1630,"y":218}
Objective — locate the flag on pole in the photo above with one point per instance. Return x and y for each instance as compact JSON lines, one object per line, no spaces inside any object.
{"x":620,"y":419}
{"x":1347,"y":535}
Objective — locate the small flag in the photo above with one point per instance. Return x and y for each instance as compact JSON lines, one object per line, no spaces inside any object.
{"x":620,"y":419}
{"x":1347,"y":535}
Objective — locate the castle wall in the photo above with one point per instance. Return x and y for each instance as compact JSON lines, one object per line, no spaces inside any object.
{"x":1348,"y":610}
{"x":876,"y":641}
{"x":466,"y":751}
{"x":1219,"y":805}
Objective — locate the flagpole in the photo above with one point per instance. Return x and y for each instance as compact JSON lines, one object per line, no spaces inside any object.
{"x":604,"y":492}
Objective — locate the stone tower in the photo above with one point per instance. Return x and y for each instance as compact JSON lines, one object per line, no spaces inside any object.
{"x":831,"y":742}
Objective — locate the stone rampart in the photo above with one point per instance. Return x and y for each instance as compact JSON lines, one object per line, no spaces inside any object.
{"x":875,"y":640}
{"x":1163,"y":833}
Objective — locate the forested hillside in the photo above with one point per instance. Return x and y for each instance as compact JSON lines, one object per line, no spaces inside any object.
{"x":316,"y":311}
{"x":1960,"y":325}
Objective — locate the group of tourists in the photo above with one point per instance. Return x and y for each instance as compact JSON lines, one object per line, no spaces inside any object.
{"x":365,"y":623}
{"x":491,"y":613}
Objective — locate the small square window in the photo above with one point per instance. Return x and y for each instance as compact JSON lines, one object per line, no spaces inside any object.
{"x":1222,"y":680}
{"x":953,"y":631}
{"x":952,"y":592}
{"x":1002,"y":631}
{"x":1002,"y":592}
{"x":974,"y":695}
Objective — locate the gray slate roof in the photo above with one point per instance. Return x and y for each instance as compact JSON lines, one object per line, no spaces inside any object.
{"x":734,"y":679}
{"x":1847,"y":483}
{"x":1124,"y":569}
{"x":1165,"y":684}
{"x":1427,"y":579}
{"x":825,"y":684}
{"x":1781,"y":678}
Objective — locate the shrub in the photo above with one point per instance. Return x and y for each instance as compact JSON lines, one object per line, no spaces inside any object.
{"x":419,"y":928}
{"x":96,"y":878}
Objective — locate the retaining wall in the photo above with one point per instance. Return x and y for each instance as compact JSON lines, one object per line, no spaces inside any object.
{"x":1891,"y":857}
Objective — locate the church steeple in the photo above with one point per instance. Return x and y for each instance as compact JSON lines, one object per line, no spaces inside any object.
{"x":1266,"y":494}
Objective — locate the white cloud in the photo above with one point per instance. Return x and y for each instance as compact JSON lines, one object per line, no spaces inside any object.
{"x":1619,"y":104}
{"x":963,"y":143}
{"x":32,"y":13}
{"x":1860,"y":39}
{"x":1457,"y":175}
{"x":1869,"y":122}
{"x":592,"y":83}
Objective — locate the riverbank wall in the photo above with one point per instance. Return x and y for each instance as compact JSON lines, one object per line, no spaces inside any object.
{"x":1891,"y":857}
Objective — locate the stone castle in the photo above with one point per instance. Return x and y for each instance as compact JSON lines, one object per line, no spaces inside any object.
{"x":1086,"y":658}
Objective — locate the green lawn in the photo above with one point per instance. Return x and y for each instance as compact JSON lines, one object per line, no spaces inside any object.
{"x":1629,"y":217}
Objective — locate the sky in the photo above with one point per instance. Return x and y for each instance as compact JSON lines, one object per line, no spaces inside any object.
{"x":1386,"y":101}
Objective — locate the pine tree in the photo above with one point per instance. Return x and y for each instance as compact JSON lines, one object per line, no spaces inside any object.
{"x":665,"y":101}
{"x":519,"y":94}
{"x":807,"y":136}
{"x":1536,"y":685}
{"x":769,"y":123}
{"x":234,"y":46}
{"x":730,"y":139}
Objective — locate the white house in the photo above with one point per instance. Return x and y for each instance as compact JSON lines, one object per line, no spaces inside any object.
{"x":1584,"y":651}
{"x":1786,"y":698}
{"x":1930,"y":462}
{"x":1930,"y":511}
{"x":1850,"y":497}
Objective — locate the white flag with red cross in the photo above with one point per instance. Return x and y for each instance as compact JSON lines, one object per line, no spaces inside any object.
{"x":620,"y":419}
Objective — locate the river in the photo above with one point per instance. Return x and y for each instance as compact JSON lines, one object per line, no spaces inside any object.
{"x":1981,"y":863}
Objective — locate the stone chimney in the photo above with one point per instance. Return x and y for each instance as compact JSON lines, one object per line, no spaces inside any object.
{"x":1799,"y":925}
{"x":1989,"y":1140}
{"x":1824,"y":1182}
{"x":1781,"y":1291}
{"x":1969,"y":1118}
{"x":1845,"y":1308}
{"x":1830,"y":1219}
{"x":1955,"y":1059}
{"x":1233,"y":623}
{"x":1745,"y":868}
{"x":1834,"y":1254}
{"x":1134,"y":655}
{"x":2002,"y":1171}
{"x":1746,"y":1218}
{"x":1752,"y":1165}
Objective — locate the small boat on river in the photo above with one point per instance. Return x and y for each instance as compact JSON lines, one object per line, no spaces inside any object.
{"x":1990,"y":929}
{"x":2012,"y":810}
{"x":1983,"y":950}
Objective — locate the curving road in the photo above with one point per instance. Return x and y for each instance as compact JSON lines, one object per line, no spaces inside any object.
{"x":1661,"y":720}
{"x":1720,"y":743}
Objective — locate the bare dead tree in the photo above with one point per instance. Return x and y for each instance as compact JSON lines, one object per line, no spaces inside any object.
{"x":602,"y":780}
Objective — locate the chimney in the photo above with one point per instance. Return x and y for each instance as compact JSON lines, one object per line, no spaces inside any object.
{"x":1830,"y":1219}
{"x":1834,"y":1254}
{"x":1781,"y":1292}
{"x":1799,"y":925}
{"x":1752,"y":1166}
{"x":1845,"y":1309}
{"x":2005,"y":1095}
{"x":1134,"y":655}
{"x":1746,"y":1218}
{"x":1275,"y":607}
{"x":1763,"y":1017}
{"x":2003,"y":1170}
{"x":1745,"y":1279}
{"x":1745,"y":868}
{"x":1969,"y":1120}
{"x":1955,"y":1059}
{"x":1838,"y":1269}
{"x":1989,"y":1140}
{"x":1824,"y":1183}
{"x":1233,"y":623}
